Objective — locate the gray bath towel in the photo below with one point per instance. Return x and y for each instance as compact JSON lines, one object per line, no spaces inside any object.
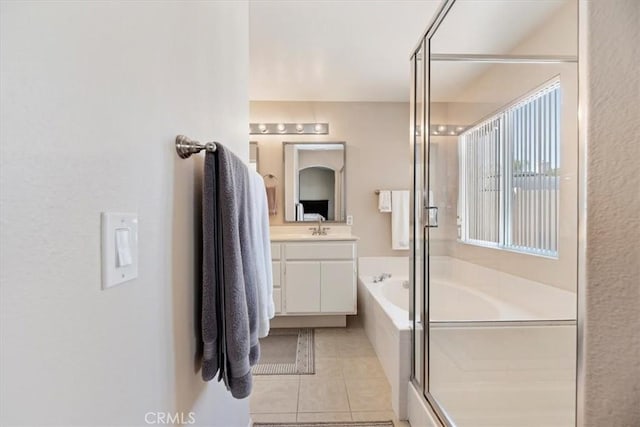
{"x":232,"y":306}
{"x":212,"y":315}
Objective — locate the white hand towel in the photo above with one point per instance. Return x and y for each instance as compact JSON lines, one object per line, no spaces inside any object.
{"x":400,"y":220}
{"x":259,"y":227}
{"x":384,"y":201}
{"x":299,"y":212}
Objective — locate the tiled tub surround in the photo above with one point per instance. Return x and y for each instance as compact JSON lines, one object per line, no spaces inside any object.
{"x":387,"y":324}
{"x":472,"y":296}
{"x":504,"y":376}
{"x":349,"y":385}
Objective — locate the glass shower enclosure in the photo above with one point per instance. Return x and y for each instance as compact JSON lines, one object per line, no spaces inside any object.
{"x":494,"y":219}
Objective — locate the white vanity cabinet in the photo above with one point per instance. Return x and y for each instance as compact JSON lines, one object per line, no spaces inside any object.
{"x":276,"y":266}
{"x":302,"y":291}
{"x":338,"y":286}
{"x":315,"y":278}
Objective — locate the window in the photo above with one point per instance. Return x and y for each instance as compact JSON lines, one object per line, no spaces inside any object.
{"x":509,"y":185}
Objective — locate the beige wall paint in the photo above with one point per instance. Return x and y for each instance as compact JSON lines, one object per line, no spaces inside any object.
{"x":610,"y":302}
{"x":557,"y":35}
{"x":93,"y":94}
{"x":377,"y":137}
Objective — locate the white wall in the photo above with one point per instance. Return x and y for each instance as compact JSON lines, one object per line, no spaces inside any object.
{"x":93,"y":94}
{"x":332,"y":159}
{"x":377,"y":138}
{"x":610,"y":303}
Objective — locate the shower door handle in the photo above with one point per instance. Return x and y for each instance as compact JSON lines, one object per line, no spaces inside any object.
{"x":411,"y":306}
{"x":431,"y":214}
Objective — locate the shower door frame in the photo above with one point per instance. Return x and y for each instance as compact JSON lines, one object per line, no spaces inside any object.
{"x":422,"y":384}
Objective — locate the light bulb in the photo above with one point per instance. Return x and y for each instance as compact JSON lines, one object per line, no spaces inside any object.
{"x":299,"y":127}
{"x":318,"y":127}
{"x":459,"y":128}
{"x":435,"y":132}
{"x":262,"y":127}
{"x":281,"y":127}
{"x":442,"y":128}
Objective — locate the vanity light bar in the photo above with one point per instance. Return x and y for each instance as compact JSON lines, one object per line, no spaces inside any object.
{"x":447,"y":130}
{"x":444,"y":130}
{"x":289,"y":128}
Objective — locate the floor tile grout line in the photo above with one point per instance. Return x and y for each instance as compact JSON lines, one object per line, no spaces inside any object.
{"x":346,"y":390}
{"x":341,"y":357}
{"x":299,"y":387}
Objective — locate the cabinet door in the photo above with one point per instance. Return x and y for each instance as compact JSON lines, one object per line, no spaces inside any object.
{"x":277,"y":300}
{"x":275,"y":266}
{"x":337,"y":287}
{"x":302,"y":287}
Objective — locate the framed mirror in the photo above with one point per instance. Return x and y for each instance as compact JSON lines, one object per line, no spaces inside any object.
{"x":314,"y":181}
{"x":253,"y":155}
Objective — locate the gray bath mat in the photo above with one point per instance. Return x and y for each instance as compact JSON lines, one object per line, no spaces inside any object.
{"x":286,"y":352}
{"x":332,"y":424}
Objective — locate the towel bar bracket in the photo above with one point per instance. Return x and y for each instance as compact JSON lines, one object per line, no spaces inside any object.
{"x":186,"y":146}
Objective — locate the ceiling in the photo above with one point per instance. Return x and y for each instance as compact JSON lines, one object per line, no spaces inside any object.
{"x":358,"y":50}
{"x":334,"y":50}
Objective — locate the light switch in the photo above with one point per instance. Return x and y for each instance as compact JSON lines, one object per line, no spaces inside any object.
{"x":123,"y":247}
{"x":119,"y":248}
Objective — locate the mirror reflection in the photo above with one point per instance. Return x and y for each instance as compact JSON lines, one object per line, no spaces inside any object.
{"x":314,"y":181}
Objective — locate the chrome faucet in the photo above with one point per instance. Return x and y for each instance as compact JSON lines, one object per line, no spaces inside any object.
{"x":319,"y":230}
{"x":381,"y":277}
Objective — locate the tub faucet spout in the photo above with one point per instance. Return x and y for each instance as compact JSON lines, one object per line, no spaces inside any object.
{"x":381,"y":277}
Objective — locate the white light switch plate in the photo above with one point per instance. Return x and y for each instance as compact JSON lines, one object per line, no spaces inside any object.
{"x":114,"y":270}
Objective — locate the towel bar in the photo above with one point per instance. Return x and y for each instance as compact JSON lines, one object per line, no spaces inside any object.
{"x":185,"y":146}
{"x":378,"y":191}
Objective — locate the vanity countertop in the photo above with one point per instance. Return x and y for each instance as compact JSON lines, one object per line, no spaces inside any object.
{"x":311,"y":238}
{"x":296,"y":233}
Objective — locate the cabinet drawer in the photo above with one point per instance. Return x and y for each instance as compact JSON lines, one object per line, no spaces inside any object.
{"x":275,"y":265}
{"x":318,"y":251}
{"x":275,"y":250}
{"x":277,"y":300}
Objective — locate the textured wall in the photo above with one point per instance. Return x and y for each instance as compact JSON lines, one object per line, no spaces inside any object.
{"x":611,"y":83}
{"x":93,"y":94}
{"x":377,"y":137}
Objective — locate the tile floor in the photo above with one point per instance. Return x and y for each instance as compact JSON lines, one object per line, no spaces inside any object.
{"x":349,"y":384}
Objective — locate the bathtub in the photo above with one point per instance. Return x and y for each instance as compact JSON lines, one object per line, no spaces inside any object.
{"x":463,"y":295}
{"x":383,"y":308}
{"x":462,"y":303}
